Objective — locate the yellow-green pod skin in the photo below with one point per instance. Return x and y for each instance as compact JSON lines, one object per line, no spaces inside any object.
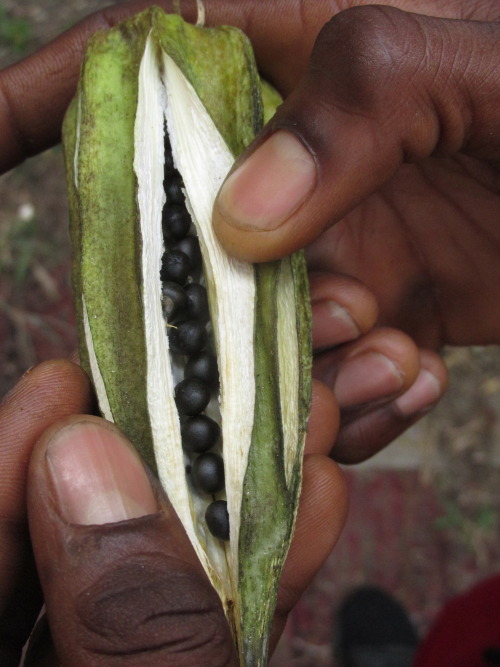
{"x":108,"y":277}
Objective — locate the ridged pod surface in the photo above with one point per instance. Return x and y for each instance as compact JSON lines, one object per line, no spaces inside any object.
{"x":151,"y":75}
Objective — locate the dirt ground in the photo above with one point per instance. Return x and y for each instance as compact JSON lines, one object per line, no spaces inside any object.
{"x":432,"y":528}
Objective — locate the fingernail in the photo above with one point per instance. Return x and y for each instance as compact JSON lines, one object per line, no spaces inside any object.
{"x":365,"y":378}
{"x":269,"y":186}
{"x":422,"y":395}
{"x":332,"y":323}
{"x":97,"y":476}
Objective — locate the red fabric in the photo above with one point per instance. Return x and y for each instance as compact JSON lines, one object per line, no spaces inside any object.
{"x":468,"y":624}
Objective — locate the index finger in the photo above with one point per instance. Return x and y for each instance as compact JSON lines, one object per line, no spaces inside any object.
{"x":35,"y":93}
{"x":50,"y":391}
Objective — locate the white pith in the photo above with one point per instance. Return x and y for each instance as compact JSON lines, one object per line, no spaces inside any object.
{"x":77,"y":141}
{"x":203,"y":159}
{"x":288,"y":360}
{"x":99,"y":386}
{"x":262,"y":362}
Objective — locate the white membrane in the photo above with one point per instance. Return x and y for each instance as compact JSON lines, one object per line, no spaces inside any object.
{"x":100,"y":388}
{"x":148,"y":165}
{"x":203,"y":158}
{"x":200,"y":19}
{"x":77,"y":140}
{"x":202,"y":175}
{"x":288,"y":359}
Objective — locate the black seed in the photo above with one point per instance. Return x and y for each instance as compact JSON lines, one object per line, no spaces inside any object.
{"x":169,"y":158}
{"x":217,"y":518}
{"x":176,"y":221}
{"x":175,"y":265}
{"x":190,"y":246}
{"x":167,"y":149}
{"x":197,"y":302}
{"x":173,"y":188}
{"x":173,"y":299}
{"x":187,"y":337}
{"x":191,"y":397}
{"x":199,"y":433}
{"x":207,"y":473}
{"x":204,"y":367}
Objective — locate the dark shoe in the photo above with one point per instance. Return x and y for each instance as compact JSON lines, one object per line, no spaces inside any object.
{"x":373,"y":630}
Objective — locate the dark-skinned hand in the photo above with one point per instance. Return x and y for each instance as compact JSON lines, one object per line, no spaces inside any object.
{"x":389,"y":130}
{"x":120,"y":580}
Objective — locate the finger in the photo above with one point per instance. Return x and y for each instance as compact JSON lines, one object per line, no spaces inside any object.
{"x":321,"y":517}
{"x":49,"y":391}
{"x":35,"y":93}
{"x":120,"y":578}
{"x":324,"y":420}
{"x":343,"y":309}
{"x":40,"y":650}
{"x":383,"y":87}
{"x":365,"y":432}
{"x":377,"y":367}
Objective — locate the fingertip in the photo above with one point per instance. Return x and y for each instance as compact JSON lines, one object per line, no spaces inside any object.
{"x":343,"y":309}
{"x":255,"y":209}
{"x":378,"y":366}
{"x":427,"y":389}
{"x":48,"y":376}
{"x":325,"y":501}
{"x":367,"y":431}
{"x":252,"y":246}
{"x":321,"y":517}
{"x":47,"y":392}
{"x":62,"y":373}
{"x":269,"y":185}
{"x":434,"y":363}
{"x":93,"y":473}
{"x":324,"y":420}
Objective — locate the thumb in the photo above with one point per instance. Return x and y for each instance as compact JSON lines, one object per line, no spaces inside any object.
{"x":383,"y":87}
{"x":120,"y":579}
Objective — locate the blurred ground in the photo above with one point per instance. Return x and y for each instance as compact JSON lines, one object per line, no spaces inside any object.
{"x":424,"y":515}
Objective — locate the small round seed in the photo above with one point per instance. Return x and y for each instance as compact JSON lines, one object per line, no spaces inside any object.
{"x":190,"y":246}
{"x":175,"y":266}
{"x":173,"y":188}
{"x":199,"y":434}
{"x":169,"y":158}
{"x":204,"y":367}
{"x":188,"y":337}
{"x":207,"y":473}
{"x":174,"y":300}
{"x":217,"y":518}
{"x":176,"y":221}
{"x":197,"y":302}
{"x":191,"y":397}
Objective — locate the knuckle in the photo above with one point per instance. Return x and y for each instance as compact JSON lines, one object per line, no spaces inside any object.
{"x":17,"y":145}
{"x":156,"y":609}
{"x":367,"y":52}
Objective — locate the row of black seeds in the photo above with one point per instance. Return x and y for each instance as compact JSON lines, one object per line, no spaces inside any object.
{"x":185,"y":307}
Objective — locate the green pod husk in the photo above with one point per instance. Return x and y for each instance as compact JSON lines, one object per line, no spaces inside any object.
{"x":205,"y":84}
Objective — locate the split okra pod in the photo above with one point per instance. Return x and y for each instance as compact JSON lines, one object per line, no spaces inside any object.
{"x":203,"y":361}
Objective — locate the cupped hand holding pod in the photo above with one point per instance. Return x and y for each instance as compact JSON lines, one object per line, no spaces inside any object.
{"x":384,"y":177}
{"x":162,"y":109}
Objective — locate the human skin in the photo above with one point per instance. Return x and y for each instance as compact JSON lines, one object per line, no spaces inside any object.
{"x":418,"y":256}
{"x":393,"y":132}
{"x":118,"y":574}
